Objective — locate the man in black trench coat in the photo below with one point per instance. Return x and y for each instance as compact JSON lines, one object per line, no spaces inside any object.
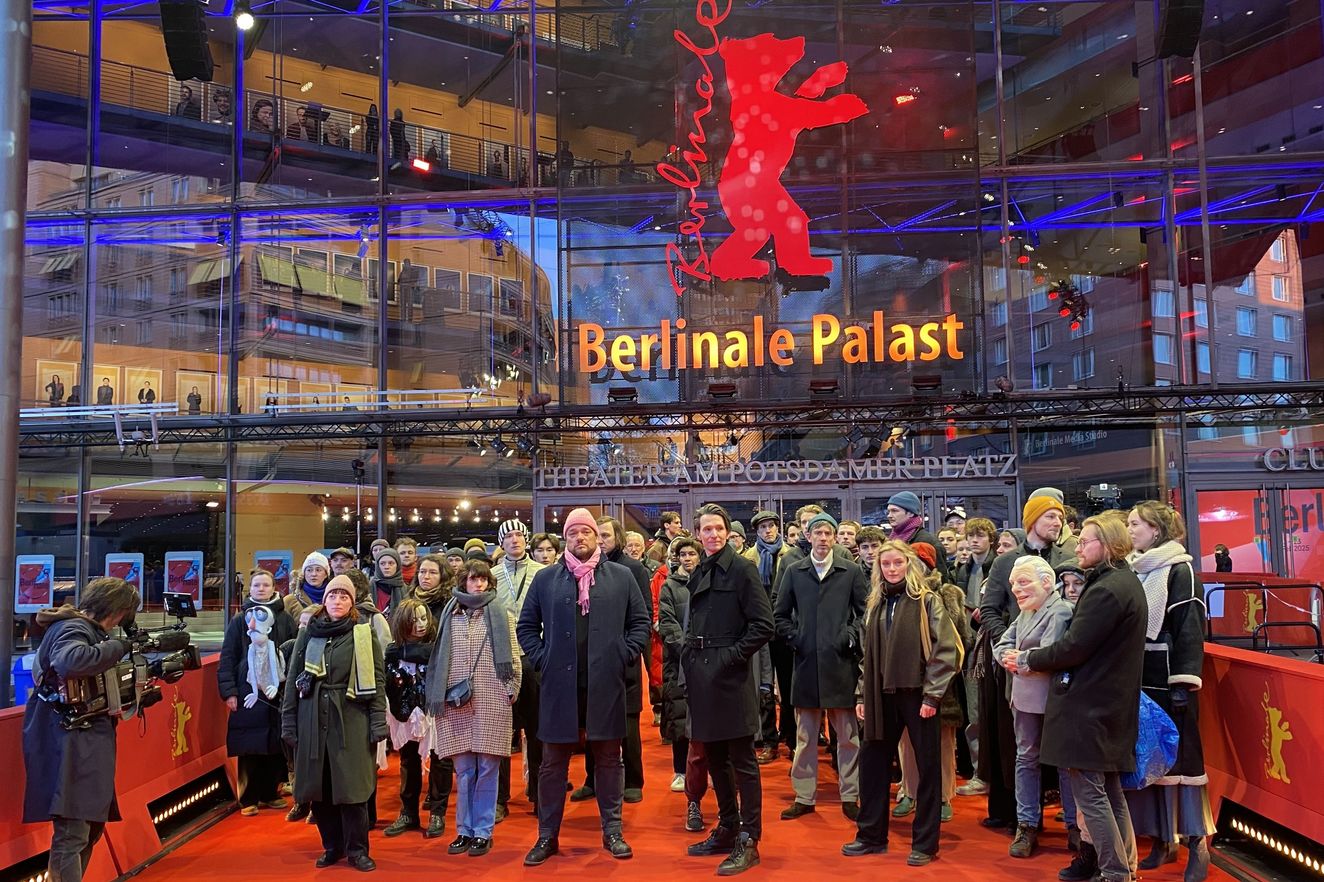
{"x":730,"y":618}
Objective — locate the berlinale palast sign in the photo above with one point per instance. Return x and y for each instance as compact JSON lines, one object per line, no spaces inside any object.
{"x":790,"y":471}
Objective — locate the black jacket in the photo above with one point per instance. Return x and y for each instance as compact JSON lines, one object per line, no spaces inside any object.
{"x":634,"y":682}
{"x":729,"y":607}
{"x":673,"y":603}
{"x":251,"y":731}
{"x":70,"y":774}
{"x":819,"y":620}
{"x":1093,"y":711}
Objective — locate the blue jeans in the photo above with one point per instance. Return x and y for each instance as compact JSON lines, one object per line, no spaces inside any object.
{"x":1068,"y":798}
{"x":476,"y":793}
{"x":1029,"y":730}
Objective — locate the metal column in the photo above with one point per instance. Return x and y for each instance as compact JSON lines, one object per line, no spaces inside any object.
{"x":15,"y":68}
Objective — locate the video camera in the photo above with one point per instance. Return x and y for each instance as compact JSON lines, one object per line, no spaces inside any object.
{"x":132,"y":685}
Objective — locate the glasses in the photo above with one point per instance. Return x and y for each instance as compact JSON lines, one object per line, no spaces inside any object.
{"x":1082,"y":541}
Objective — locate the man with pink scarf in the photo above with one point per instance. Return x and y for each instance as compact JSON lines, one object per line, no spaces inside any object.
{"x":582,"y":625}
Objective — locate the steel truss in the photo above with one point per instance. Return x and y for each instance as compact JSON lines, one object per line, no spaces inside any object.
{"x":1279,"y":403}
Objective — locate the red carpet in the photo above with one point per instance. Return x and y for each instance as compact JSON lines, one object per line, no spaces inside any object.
{"x":266,"y":847}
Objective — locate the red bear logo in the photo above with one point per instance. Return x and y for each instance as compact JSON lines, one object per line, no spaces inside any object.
{"x":766,"y":124}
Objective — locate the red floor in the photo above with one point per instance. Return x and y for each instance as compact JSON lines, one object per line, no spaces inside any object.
{"x":266,"y":847}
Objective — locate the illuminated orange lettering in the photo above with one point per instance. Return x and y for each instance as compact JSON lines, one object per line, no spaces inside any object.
{"x":622,"y":353}
{"x":903,"y":343}
{"x":698,"y":343}
{"x":951,"y":326}
{"x":780,"y":345}
{"x":856,"y":348}
{"x":646,"y":344}
{"x":931,"y":349}
{"x":592,"y":354}
{"x":826,"y":330}
{"x":736,"y":353}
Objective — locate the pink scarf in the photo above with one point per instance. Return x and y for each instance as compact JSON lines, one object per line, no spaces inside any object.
{"x":908,"y":528}
{"x":583,"y":572}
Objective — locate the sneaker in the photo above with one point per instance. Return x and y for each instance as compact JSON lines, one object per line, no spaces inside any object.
{"x":973,"y":787}
{"x":436,"y":825}
{"x":743,"y":856}
{"x":277,"y":803}
{"x":693,"y":818}
{"x":678,"y":784}
{"x":904,"y":806}
{"x":1027,"y":839}
{"x":582,"y":794}
{"x":300,"y":811}
{"x":400,"y":825}
{"x":248,"y":811}
{"x":946,"y":814}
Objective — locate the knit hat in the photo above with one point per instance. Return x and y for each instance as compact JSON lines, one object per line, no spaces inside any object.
{"x":341,"y":552}
{"x":579,"y":517}
{"x":927,"y":553}
{"x":380,"y":543}
{"x":514,"y":525}
{"x":737,"y":527}
{"x":1050,"y":492}
{"x":822,"y":518}
{"x":475,"y":543}
{"x":315,"y":557}
{"x":956,"y":511}
{"x":476,"y":554}
{"x":1036,"y":507}
{"x":339,"y":583}
{"x":905,"y":499}
{"x":455,"y":551}
{"x":761,"y":516}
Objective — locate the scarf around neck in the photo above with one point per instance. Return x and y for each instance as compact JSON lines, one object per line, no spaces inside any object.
{"x":583,"y":571}
{"x":768,"y":552}
{"x":1153,"y":567}
{"x":909,"y":527}
{"x":322,"y":629}
{"x":315,"y":594}
{"x":495,"y":616}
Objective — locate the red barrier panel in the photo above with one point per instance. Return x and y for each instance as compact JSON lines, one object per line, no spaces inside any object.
{"x":178,"y":740}
{"x":1251,"y":599}
{"x":1262,"y":723}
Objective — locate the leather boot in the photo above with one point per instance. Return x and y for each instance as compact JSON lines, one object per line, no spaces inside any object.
{"x":1083,"y":866}
{"x":744,"y":856}
{"x":1197,"y":863}
{"x":1162,"y":852}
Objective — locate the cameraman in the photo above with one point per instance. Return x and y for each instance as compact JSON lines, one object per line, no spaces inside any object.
{"x":71,"y":773}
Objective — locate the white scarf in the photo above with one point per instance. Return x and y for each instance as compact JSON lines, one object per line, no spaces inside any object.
{"x":266,"y":666}
{"x":1153,"y":568}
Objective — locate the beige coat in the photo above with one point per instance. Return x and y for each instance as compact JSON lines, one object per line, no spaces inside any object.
{"x":484,"y":724}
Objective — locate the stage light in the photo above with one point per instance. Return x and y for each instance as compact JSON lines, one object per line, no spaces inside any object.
{"x":422,"y":165}
{"x":722,"y":390}
{"x":243,"y":16}
{"x":903,"y":99}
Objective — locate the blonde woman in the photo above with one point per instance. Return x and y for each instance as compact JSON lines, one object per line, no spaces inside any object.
{"x":911,"y":653}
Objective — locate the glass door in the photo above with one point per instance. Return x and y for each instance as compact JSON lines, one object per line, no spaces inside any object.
{"x":1302,"y":513}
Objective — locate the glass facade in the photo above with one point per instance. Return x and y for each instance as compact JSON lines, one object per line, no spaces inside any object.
{"x":445,"y":208}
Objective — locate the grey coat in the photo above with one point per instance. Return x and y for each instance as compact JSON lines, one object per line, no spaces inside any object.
{"x":329,"y":725}
{"x":820,"y":621}
{"x":1032,"y":629}
{"x":728,"y":606}
{"x":619,"y":628}
{"x":70,"y":774}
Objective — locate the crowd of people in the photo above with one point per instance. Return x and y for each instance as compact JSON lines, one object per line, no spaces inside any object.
{"x":1015,"y":658}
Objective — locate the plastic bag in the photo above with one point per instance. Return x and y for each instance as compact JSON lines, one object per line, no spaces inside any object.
{"x":1156,"y":746}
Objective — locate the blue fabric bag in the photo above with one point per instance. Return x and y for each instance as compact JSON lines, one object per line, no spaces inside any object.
{"x":1156,"y":746}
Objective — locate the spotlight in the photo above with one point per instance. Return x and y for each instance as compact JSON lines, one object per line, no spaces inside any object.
{"x":926,"y":384}
{"x":622,"y":394}
{"x":722,"y":390}
{"x":499,"y":446}
{"x":824,"y":388}
{"x":243,"y":16}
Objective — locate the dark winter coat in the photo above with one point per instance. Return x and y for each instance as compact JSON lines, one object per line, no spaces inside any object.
{"x":894,"y":657}
{"x":819,"y":621}
{"x":998,"y":606}
{"x":1093,"y":712}
{"x":729,"y":609}
{"x":953,"y":600}
{"x":329,"y":727}
{"x":634,"y":682}
{"x":251,"y":731}
{"x":1176,"y":659}
{"x":673,"y":605}
{"x":70,"y":774}
{"x":619,"y":625}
